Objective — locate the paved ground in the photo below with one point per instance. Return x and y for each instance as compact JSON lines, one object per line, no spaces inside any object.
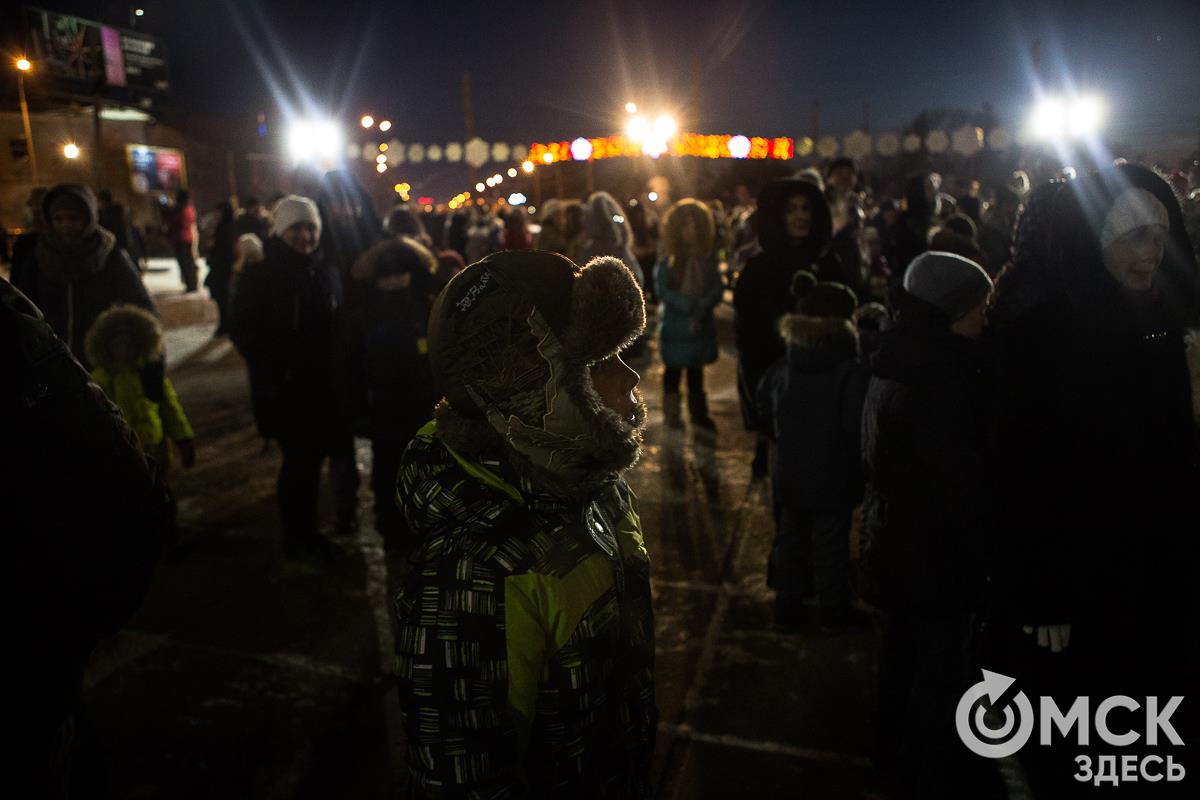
{"x":244,"y":677}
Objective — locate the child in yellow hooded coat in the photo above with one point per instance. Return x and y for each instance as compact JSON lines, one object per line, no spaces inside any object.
{"x":126,"y":345}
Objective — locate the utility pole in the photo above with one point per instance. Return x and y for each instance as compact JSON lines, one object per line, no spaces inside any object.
{"x":25,"y":118}
{"x":97,"y":161}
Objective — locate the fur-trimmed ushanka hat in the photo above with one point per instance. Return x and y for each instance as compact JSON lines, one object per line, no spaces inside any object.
{"x":511,"y":340}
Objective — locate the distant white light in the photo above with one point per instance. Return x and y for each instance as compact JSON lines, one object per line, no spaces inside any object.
{"x":139,"y":12}
{"x":479,"y":187}
{"x":512,"y":172}
{"x":581,"y":149}
{"x":739,"y":146}
{"x":490,"y":182}
{"x":637,"y":129}
{"x":71,"y":151}
{"x":367,"y":121}
{"x":1058,"y":118}
{"x":385,"y":126}
{"x":381,"y":168}
{"x":652,"y":197}
{"x":617,"y":218}
{"x":631,"y":107}
{"x":314,"y":140}
{"x":516,"y":199}
{"x":665,"y":126}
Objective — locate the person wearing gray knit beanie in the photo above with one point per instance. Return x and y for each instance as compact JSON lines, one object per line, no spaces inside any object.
{"x":956,"y":285}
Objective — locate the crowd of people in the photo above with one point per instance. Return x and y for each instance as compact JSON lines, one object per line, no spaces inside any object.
{"x":990,"y":391}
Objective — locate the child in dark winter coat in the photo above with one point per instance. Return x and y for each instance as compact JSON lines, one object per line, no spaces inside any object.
{"x":126,"y":345}
{"x":811,"y":404}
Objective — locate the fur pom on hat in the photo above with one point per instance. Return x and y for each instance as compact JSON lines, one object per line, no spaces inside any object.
{"x":292,"y":210}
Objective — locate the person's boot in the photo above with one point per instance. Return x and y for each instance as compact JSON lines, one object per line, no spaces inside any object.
{"x":698,"y":411}
{"x":673,"y":409}
{"x":761,"y":465}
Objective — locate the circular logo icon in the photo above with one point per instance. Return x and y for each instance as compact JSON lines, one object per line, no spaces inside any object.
{"x":972,"y":722}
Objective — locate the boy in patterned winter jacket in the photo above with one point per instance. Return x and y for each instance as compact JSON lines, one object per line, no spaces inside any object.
{"x":525,"y":641}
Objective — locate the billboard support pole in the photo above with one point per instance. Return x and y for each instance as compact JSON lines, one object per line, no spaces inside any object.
{"x":97,"y":159}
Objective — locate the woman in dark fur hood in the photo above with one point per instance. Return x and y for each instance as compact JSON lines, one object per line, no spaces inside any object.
{"x":794,"y":230}
{"x":1099,"y":445}
{"x":79,"y":270}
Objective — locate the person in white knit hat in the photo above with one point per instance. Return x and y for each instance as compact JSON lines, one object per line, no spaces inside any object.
{"x":287,"y":314}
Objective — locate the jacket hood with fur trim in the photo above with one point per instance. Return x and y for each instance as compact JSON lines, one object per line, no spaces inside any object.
{"x":140,"y":326}
{"x":815,"y":343}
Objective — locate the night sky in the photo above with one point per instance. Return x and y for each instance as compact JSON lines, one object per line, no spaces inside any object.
{"x":566,"y":68}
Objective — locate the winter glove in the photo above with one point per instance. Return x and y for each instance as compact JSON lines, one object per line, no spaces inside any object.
{"x":187,"y":453}
{"x":1056,"y":637}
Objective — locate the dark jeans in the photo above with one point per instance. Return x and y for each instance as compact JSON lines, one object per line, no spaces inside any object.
{"x":385,"y":465}
{"x":924,"y":668}
{"x":218,"y":290}
{"x":695,"y":380}
{"x":811,"y":554}
{"x":188,"y":271}
{"x":300,"y":482}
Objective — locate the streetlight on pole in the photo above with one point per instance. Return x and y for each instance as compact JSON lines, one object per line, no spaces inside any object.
{"x":23,"y":65}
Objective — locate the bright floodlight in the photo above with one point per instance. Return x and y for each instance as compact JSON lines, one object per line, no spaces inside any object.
{"x":24,"y":65}
{"x":631,"y":107}
{"x":385,"y":126}
{"x":1057,"y":118}
{"x":1087,"y":114}
{"x":665,"y":126}
{"x":637,"y":129}
{"x":314,"y":141}
{"x":367,"y":121}
{"x":71,"y":150}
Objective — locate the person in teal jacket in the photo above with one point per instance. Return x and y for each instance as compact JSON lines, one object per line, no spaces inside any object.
{"x":688,"y":283}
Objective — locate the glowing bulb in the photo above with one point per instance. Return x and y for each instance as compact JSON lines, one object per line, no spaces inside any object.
{"x":652,"y":197}
{"x":381,"y":168}
{"x":24,"y":65}
{"x":548,"y":157}
{"x":1048,"y":119}
{"x":139,"y":12}
{"x":385,"y":126}
{"x":527,"y":166}
{"x":479,"y":187}
{"x":739,"y":146}
{"x":71,"y":151}
{"x":397,"y":189}
{"x":512,"y":172}
{"x":381,"y":159}
{"x":631,"y":107}
{"x":367,"y":121}
{"x":383,"y":146}
{"x":581,"y":149}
